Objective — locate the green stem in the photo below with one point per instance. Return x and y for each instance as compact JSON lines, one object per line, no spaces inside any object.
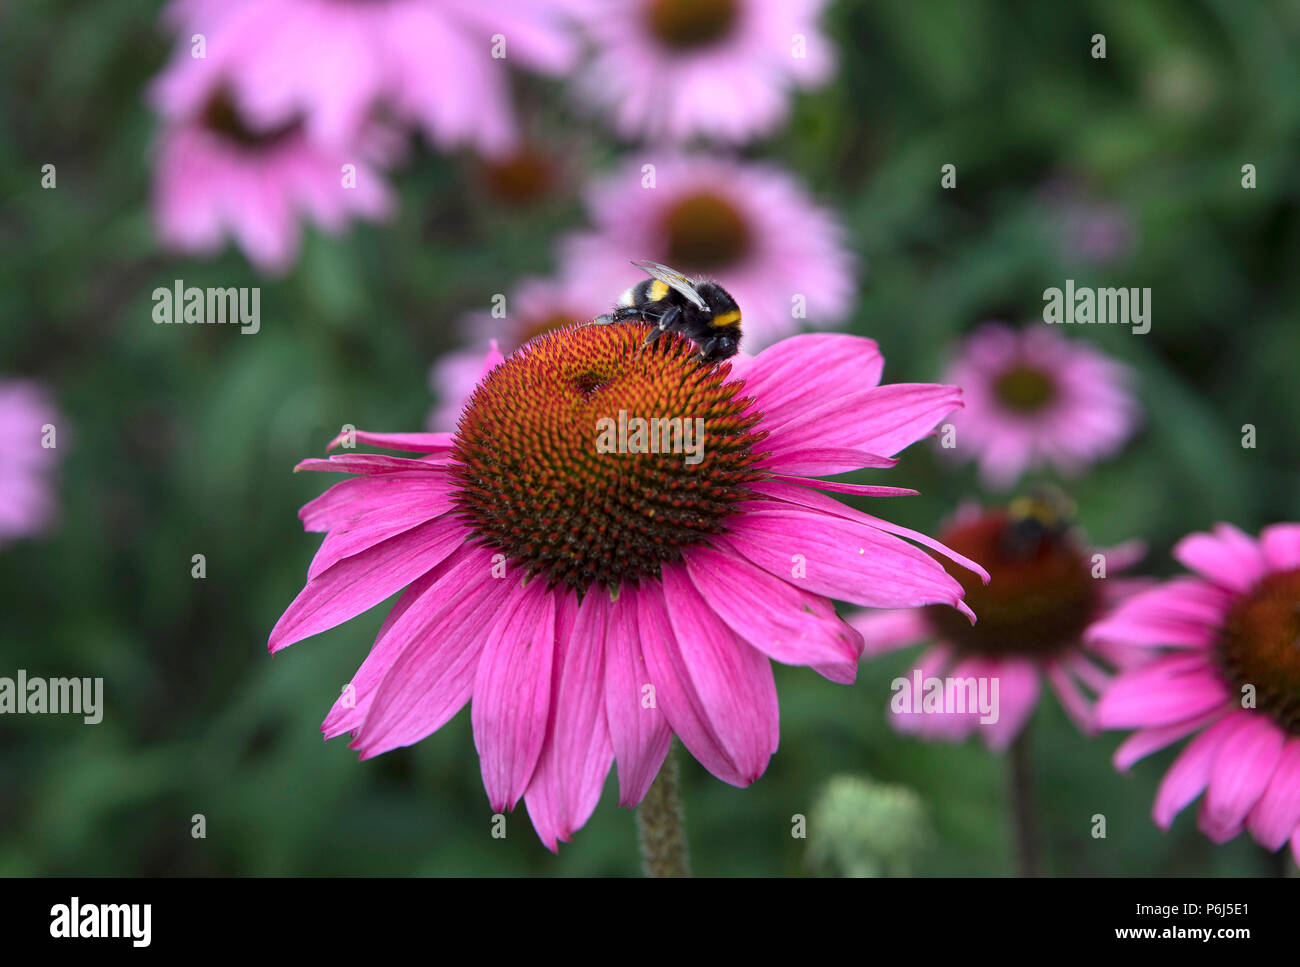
{"x":1020,"y":790}
{"x":661,"y":828}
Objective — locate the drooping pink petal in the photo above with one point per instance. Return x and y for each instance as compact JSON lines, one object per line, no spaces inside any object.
{"x":1143,"y":742}
{"x":861,"y":490}
{"x":638,"y":729}
{"x":1190,"y":773}
{"x":1241,"y":772}
{"x":512,"y":693}
{"x":399,"y":515}
{"x":434,"y":649}
{"x":577,"y":754}
{"x":1185,"y":611}
{"x":1165,"y":692}
{"x":784,"y":622}
{"x":840,"y":559}
{"x":1277,"y":814}
{"x":717,"y":692}
{"x":819,"y":461}
{"x":360,"y":582}
{"x":886,"y":631}
{"x":1019,"y":686}
{"x":803,"y":497}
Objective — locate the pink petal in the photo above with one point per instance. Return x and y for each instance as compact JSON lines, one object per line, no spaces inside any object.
{"x":783,"y":377}
{"x":885,"y":631}
{"x":373,"y":463}
{"x":1142,"y":743}
{"x":426,"y":662}
{"x":1190,"y":773}
{"x":861,"y":490}
{"x":717,"y":692}
{"x":638,"y":730}
{"x":349,"y":499}
{"x":1226,"y":556}
{"x":418,"y":442}
{"x":1185,"y":611}
{"x":512,"y":694}
{"x":882,"y":421}
{"x":399,"y":515}
{"x":576,"y":757}
{"x":360,"y":582}
{"x":1165,"y":692}
{"x":1277,"y":813}
{"x":819,"y":461}
{"x":843,"y":560}
{"x":1240,"y":774}
{"x":785,"y":623}
{"x":1281,"y":546}
{"x":1019,"y":686}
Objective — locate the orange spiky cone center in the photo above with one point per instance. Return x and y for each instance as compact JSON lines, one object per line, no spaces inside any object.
{"x":553,"y":473}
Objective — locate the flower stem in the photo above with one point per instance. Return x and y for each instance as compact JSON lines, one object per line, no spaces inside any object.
{"x":1020,"y":789}
{"x":662,"y":831}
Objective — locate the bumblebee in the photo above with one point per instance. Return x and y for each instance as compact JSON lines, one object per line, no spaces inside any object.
{"x":1044,"y":515}
{"x":700,"y":310}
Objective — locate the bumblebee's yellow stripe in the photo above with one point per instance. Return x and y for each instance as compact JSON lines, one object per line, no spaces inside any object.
{"x":731,"y":318}
{"x":657,"y":290}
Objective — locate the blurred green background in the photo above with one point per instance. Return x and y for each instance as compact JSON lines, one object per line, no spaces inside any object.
{"x":180,"y":440}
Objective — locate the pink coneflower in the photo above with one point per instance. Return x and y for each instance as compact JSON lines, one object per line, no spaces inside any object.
{"x":1034,"y":398}
{"x":668,"y":70}
{"x":1234,"y":678}
{"x":1045,"y":588}
{"x":442,"y":64}
{"x":592,"y":604}
{"x":1087,"y":228}
{"x":751,"y":227}
{"x":215,"y":176}
{"x":27,"y":459}
{"x":535,"y":306}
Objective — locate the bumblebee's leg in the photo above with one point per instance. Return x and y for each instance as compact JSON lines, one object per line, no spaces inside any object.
{"x":706,"y":351}
{"x":666,"y":322}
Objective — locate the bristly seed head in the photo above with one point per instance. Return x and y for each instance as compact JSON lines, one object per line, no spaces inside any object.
{"x":533,"y":485}
{"x":1259,"y":645}
{"x":1038,"y":602}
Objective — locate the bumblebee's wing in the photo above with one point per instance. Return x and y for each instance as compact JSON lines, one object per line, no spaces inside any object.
{"x":673,"y":279}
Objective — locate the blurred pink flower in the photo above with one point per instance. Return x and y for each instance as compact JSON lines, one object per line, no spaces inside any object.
{"x":751,"y":227}
{"x":1035,"y":398}
{"x":669,"y":70}
{"x":534,"y":306}
{"x":1041,"y":596}
{"x":1231,"y":676}
{"x":215,"y":177}
{"x":27,"y":503}
{"x":1088,"y":229}
{"x":590,"y":604}
{"x":330,"y":63}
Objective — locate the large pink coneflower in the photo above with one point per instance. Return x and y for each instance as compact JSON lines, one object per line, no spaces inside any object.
{"x":591,"y":604}
{"x":669,"y":70}
{"x":442,"y":64}
{"x":533,"y":307}
{"x":1035,"y":398}
{"x":751,"y":227}
{"x":1045,"y":588}
{"x":1232,"y":677}
{"x":217,"y":177}
{"x":29,"y":427}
